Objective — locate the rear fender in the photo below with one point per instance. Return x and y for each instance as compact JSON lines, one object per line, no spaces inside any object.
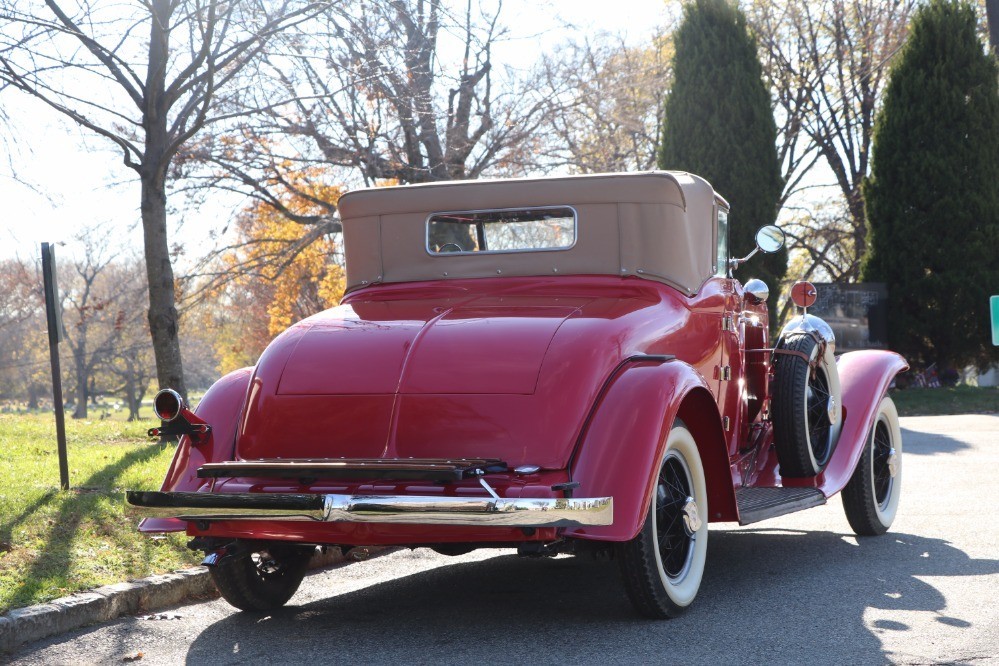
{"x":625,"y":437}
{"x":220,"y":407}
{"x":864,"y":378}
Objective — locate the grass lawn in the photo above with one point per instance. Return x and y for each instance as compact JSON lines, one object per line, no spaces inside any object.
{"x":54,"y":543}
{"x":952,"y":400}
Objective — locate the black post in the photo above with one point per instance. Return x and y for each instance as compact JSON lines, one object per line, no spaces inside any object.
{"x":54,"y":317}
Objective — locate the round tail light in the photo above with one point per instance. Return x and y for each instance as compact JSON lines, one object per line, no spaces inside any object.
{"x":167,"y":405}
{"x":803,"y":294}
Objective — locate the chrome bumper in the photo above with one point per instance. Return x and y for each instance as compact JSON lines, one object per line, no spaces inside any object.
{"x":330,"y":508}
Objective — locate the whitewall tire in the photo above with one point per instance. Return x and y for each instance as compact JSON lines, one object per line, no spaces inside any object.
{"x":870,"y":499}
{"x":664,"y":564}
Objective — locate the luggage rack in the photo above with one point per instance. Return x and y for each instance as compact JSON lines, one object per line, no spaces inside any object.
{"x":442,"y":470}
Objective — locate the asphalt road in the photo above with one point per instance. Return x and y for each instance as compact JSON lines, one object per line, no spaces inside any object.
{"x":796,"y":589}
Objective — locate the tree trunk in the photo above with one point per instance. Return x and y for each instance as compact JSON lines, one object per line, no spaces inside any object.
{"x":163,"y":319}
{"x":855,"y":202}
{"x":992,"y":17}
{"x":80,"y":366}
{"x":133,"y":402}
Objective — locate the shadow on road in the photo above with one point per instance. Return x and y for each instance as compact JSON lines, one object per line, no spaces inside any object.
{"x":928,"y":444}
{"x":768,"y":596}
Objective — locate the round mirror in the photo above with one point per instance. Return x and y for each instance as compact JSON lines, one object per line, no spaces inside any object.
{"x":770,"y":238}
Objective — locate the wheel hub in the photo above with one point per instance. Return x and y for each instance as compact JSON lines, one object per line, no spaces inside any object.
{"x":893,"y":462}
{"x":691,"y":518}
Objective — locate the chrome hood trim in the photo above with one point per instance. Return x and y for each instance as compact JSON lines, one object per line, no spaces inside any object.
{"x":404,"y":509}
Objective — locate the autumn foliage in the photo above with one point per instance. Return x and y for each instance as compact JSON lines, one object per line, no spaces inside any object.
{"x":283,"y":272}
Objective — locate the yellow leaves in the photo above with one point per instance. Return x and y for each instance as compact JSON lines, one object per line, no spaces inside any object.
{"x":286,"y":270}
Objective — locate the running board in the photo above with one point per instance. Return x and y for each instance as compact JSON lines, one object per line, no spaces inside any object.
{"x":756,"y":504}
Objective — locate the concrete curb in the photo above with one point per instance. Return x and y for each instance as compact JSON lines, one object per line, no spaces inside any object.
{"x":23,"y":625}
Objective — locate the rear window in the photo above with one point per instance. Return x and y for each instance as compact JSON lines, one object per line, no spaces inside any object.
{"x":509,"y":230}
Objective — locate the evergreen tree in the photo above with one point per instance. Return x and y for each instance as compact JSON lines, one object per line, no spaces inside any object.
{"x":718,"y":125}
{"x":933,"y":194}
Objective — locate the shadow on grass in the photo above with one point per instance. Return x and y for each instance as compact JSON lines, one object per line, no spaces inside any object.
{"x":75,"y":508}
{"x":7,"y":527}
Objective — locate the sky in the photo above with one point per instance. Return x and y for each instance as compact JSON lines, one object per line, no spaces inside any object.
{"x":69,"y":179}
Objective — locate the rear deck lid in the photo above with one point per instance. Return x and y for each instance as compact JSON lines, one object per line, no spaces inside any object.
{"x":475,"y":348}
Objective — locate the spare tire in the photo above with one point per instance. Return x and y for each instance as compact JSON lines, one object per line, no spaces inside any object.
{"x":805,"y":404}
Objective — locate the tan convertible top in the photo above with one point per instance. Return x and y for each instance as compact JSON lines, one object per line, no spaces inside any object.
{"x":658,"y":225}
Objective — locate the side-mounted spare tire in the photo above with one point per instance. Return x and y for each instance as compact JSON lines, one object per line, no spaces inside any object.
{"x":805,"y":403}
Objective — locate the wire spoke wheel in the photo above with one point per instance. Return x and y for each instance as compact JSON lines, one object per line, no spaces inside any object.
{"x":870,"y":498}
{"x":882,"y":453}
{"x":805,"y":405}
{"x":672,"y":494}
{"x":663,"y":565}
{"x":817,"y":413}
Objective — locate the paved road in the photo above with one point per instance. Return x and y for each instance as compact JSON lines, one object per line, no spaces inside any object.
{"x":795,"y":589}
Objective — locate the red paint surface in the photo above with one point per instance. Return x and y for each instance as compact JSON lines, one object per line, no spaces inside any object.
{"x":624,"y":441}
{"x":527,"y":370}
{"x":219,"y":407}
{"x":500,"y":368}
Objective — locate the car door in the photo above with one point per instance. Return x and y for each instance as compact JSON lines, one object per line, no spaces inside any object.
{"x":732,"y":399}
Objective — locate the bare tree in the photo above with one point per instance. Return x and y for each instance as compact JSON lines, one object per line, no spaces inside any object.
{"x":605,"y":104}
{"x":383,"y":91}
{"x":23,"y":345}
{"x":828,"y":64}
{"x":94,"y":311}
{"x":125,"y":366}
{"x":144,"y":75}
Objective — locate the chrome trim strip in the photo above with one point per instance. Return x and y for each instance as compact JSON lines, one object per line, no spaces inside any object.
{"x":404,"y":509}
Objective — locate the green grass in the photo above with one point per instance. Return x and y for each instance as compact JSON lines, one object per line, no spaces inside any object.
{"x":952,"y":400}
{"x":54,"y":543}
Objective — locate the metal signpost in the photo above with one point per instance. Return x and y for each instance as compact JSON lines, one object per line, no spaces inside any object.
{"x":54,"y":314}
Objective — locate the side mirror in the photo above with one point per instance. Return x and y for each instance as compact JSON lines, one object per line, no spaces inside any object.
{"x":769,"y":239}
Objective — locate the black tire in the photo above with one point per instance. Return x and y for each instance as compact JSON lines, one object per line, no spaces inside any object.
{"x":803,"y":431}
{"x":663,"y":565}
{"x":263,"y":580}
{"x":870,"y":498}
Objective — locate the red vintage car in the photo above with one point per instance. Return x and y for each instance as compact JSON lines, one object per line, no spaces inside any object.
{"x":553,"y":365}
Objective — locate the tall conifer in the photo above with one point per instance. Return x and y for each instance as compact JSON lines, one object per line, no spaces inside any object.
{"x":933,"y":194}
{"x":719,"y":125}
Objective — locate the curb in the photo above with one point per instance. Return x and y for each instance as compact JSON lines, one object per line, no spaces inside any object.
{"x":24,"y":625}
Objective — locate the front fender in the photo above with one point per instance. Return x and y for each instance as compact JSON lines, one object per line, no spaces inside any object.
{"x":864,"y":378}
{"x":220,"y":407}
{"x":624,"y":439}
